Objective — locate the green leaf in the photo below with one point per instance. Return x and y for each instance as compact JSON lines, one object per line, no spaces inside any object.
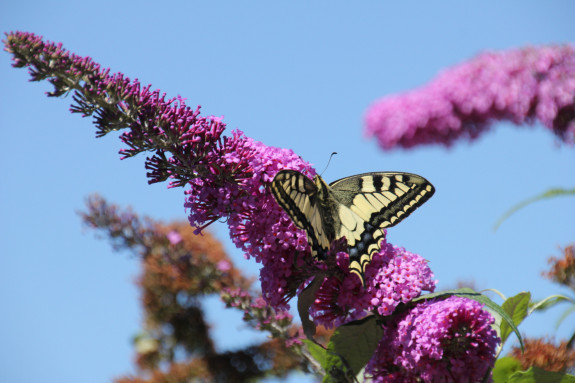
{"x":548,"y":194}
{"x":353,"y":344}
{"x":517,"y":308}
{"x":503,"y":297}
{"x":571,"y":341}
{"x":552,"y":301}
{"x":565,"y":314}
{"x":445,"y":294}
{"x":504,"y":368}
{"x":304,"y":301}
{"x":491,"y":306}
{"x":548,"y":302}
{"x":537,"y":375}
{"x":317,"y":352}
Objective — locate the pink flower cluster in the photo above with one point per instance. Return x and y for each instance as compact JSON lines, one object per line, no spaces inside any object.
{"x":518,"y":85}
{"x":394,"y":276}
{"x":439,"y":341}
{"x":398,"y":277}
{"x":257,"y":224}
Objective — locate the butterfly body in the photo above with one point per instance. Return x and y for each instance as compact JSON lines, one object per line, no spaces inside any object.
{"x":358,"y":208}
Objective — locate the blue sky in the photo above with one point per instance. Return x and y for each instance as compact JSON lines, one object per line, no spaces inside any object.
{"x":298,"y":75}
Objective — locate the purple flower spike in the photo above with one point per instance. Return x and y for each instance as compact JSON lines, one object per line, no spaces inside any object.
{"x":227,"y":178}
{"x":517,"y":85}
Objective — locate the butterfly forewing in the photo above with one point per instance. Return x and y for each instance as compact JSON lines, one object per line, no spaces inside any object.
{"x":298,"y":196}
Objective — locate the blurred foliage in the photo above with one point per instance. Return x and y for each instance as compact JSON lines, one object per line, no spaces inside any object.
{"x":179,"y":268}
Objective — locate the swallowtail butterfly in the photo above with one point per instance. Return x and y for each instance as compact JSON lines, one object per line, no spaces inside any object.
{"x":357,"y":208}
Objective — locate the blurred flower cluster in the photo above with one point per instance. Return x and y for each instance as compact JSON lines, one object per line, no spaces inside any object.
{"x":521,"y":86}
{"x":545,"y":352}
{"x":563,"y":269}
{"x":179,"y":269}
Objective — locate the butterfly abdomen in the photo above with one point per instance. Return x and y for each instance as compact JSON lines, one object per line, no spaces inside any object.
{"x":328,"y":209}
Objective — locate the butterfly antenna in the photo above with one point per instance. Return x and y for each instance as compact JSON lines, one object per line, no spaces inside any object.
{"x":332,"y":154}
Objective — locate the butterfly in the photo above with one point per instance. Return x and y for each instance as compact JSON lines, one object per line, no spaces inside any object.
{"x":358,"y":208}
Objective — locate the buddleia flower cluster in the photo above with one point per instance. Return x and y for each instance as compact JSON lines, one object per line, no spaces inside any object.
{"x":227,"y":178}
{"x":394,"y":276}
{"x":520,"y":86}
{"x":447,"y":340}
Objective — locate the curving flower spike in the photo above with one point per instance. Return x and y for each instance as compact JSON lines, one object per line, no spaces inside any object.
{"x":521,"y":86}
{"x":227,"y":176}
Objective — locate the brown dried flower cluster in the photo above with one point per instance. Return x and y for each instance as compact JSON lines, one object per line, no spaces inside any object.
{"x":179,"y":268}
{"x":543,"y":353}
{"x":563,"y":269}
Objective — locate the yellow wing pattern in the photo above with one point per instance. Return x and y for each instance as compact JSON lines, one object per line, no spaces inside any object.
{"x":357,"y":208}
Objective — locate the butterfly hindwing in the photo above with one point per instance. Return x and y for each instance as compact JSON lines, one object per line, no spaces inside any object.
{"x":358,"y":208}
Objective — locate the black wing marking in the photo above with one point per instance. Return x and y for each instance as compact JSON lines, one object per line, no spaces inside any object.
{"x":298,"y":196}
